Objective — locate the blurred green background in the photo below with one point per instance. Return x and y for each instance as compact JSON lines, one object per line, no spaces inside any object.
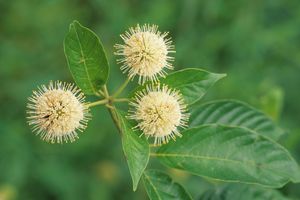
{"x":257,"y":43}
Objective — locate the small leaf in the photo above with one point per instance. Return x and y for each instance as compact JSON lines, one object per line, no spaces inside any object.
{"x":160,"y":186}
{"x":136,"y":150}
{"x":241,"y":191}
{"x":232,"y":154}
{"x":234,"y":113}
{"x":272,"y":101}
{"x":86,"y":58}
{"x":193,"y":83}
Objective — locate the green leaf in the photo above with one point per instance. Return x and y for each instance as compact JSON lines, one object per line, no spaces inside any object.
{"x":86,"y":58}
{"x":232,"y":154}
{"x":136,"y":150}
{"x":241,"y":191}
{"x":192,"y":83}
{"x":272,"y":101}
{"x":234,"y":113}
{"x":160,"y":186}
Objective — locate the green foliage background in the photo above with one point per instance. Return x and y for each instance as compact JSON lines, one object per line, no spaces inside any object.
{"x":257,"y":43}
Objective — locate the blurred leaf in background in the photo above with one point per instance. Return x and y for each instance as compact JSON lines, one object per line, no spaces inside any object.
{"x":256,"y":43}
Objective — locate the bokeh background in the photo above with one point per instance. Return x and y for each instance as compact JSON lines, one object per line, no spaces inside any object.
{"x":257,"y":43}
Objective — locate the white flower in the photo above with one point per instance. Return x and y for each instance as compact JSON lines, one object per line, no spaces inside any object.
{"x":57,"y":111}
{"x":159,"y":111}
{"x":145,"y":53}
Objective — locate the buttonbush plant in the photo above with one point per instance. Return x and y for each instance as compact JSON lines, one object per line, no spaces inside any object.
{"x":224,"y":140}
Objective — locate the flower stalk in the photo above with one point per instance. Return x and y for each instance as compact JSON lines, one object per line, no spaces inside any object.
{"x":121,"y":88}
{"x":100,"y":102}
{"x":110,"y":106}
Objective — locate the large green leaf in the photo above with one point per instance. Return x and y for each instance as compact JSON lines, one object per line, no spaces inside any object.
{"x":231,"y":154}
{"x":193,"y":83}
{"x":160,"y":186}
{"x":136,"y":150}
{"x":86,"y":58}
{"x":242,"y":191}
{"x":234,"y":113}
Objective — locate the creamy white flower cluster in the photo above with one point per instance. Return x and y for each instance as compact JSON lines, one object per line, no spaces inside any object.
{"x":158,"y":109}
{"x":57,"y":111}
{"x":145,"y":53}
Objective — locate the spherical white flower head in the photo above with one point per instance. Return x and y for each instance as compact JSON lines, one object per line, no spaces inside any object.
{"x":159,"y":111}
{"x":145,"y":53}
{"x":57,"y":111}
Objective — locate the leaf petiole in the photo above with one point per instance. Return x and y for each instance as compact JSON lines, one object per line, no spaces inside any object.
{"x":100,"y":102}
{"x":121,"y":100}
{"x":121,"y":88}
{"x":153,"y":154}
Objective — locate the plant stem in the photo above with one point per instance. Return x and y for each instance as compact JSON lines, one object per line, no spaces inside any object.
{"x":105,"y":91}
{"x":108,"y":101}
{"x":111,"y":109}
{"x":100,"y":102}
{"x":121,"y":88}
{"x":121,"y":100}
{"x":101,"y":93}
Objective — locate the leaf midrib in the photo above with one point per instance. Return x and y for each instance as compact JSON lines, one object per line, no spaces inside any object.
{"x":213,"y":158}
{"x":154,"y":188}
{"x":190,"y":82}
{"x":84,"y":62}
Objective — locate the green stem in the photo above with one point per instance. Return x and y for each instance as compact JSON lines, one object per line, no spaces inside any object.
{"x":101,"y":102}
{"x":121,"y":88}
{"x":101,"y":93}
{"x":105,"y":91}
{"x":121,"y":100}
{"x":108,"y":101}
{"x":111,"y":108}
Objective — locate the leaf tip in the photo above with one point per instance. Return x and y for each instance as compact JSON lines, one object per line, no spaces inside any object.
{"x":134,"y":186}
{"x":222,"y":76}
{"x":74,"y":24}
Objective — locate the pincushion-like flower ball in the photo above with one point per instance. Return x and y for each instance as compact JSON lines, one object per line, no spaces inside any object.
{"x":159,"y":111}
{"x":145,"y":53}
{"x":57,"y":111}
